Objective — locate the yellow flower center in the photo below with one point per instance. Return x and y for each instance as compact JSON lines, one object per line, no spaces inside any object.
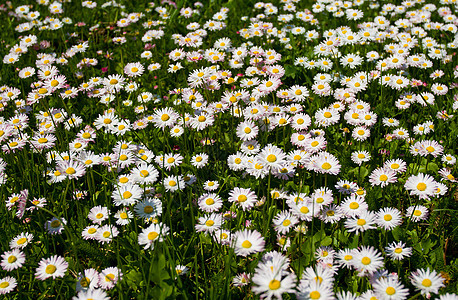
{"x":366,"y":260}
{"x":426,"y":282}
{"x":148,"y":209}
{"x":55,"y":223}
{"x":274,"y":284}
{"x":390,"y":290}
{"x":242,"y":198}
{"x":315,"y":295}
{"x":361,"y":222}
{"x":126,"y":195}
{"x":50,"y":269}
{"x":246,"y":244}
{"x":271,"y":158}
{"x":421,"y":186}
{"x":387,"y":218}
{"x":4,"y":284}
{"x":326,"y":166}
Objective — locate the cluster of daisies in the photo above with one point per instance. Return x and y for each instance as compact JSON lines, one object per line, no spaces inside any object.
{"x":244,"y":80}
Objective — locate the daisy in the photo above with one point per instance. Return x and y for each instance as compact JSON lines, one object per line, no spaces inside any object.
{"x":55,"y":225}
{"x":353,"y":206}
{"x":326,"y":163}
{"x":360,"y":133}
{"x":327,"y":117}
{"x":270,"y":284}
{"x":12,"y":260}
{"x":346,"y":187}
{"x":151,"y":234}
{"x":247,"y":242}
{"x":98,"y":294}
{"x":398,"y":251}
{"x":284,"y":221}
{"x":89,"y":280}
{"x":358,"y":157}
{"x":272,"y":157}
{"x":325,"y":254}
{"x":7,"y":284}
{"x":148,"y":208}
{"x":123,"y":216}
{"x":367,"y":260}
{"x":181,"y":270}
{"x":397,"y":165}
{"x":54,"y":267}
{"x":427,"y":281}
{"x":242,"y":279}
{"x":201,"y":121}
{"x":174,"y":183}
{"x":422,"y":185}
{"x":330,"y":214}
{"x":209,"y":223}
{"x":247,"y":130}
{"x":210,"y":185}
{"x":389,"y":288}
{"x":126,"y":195}
{"x":388,"y":218}
{"x":417,"y":213}
{"x":106,"y":233}
{"x":109,"y":277}
{"x":313,"y":290}
{"x":382,"y":177}
{"x":98,"y":214}
{"x":365,"y":221}
{"x":199,"y":160}
{"x":245,"y":198}
{"x":145,"y":174}
{"x":210,"y":202}
{"x":90,"y":232}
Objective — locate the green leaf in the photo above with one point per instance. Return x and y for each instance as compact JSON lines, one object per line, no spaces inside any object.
{"x":326,"y":241}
